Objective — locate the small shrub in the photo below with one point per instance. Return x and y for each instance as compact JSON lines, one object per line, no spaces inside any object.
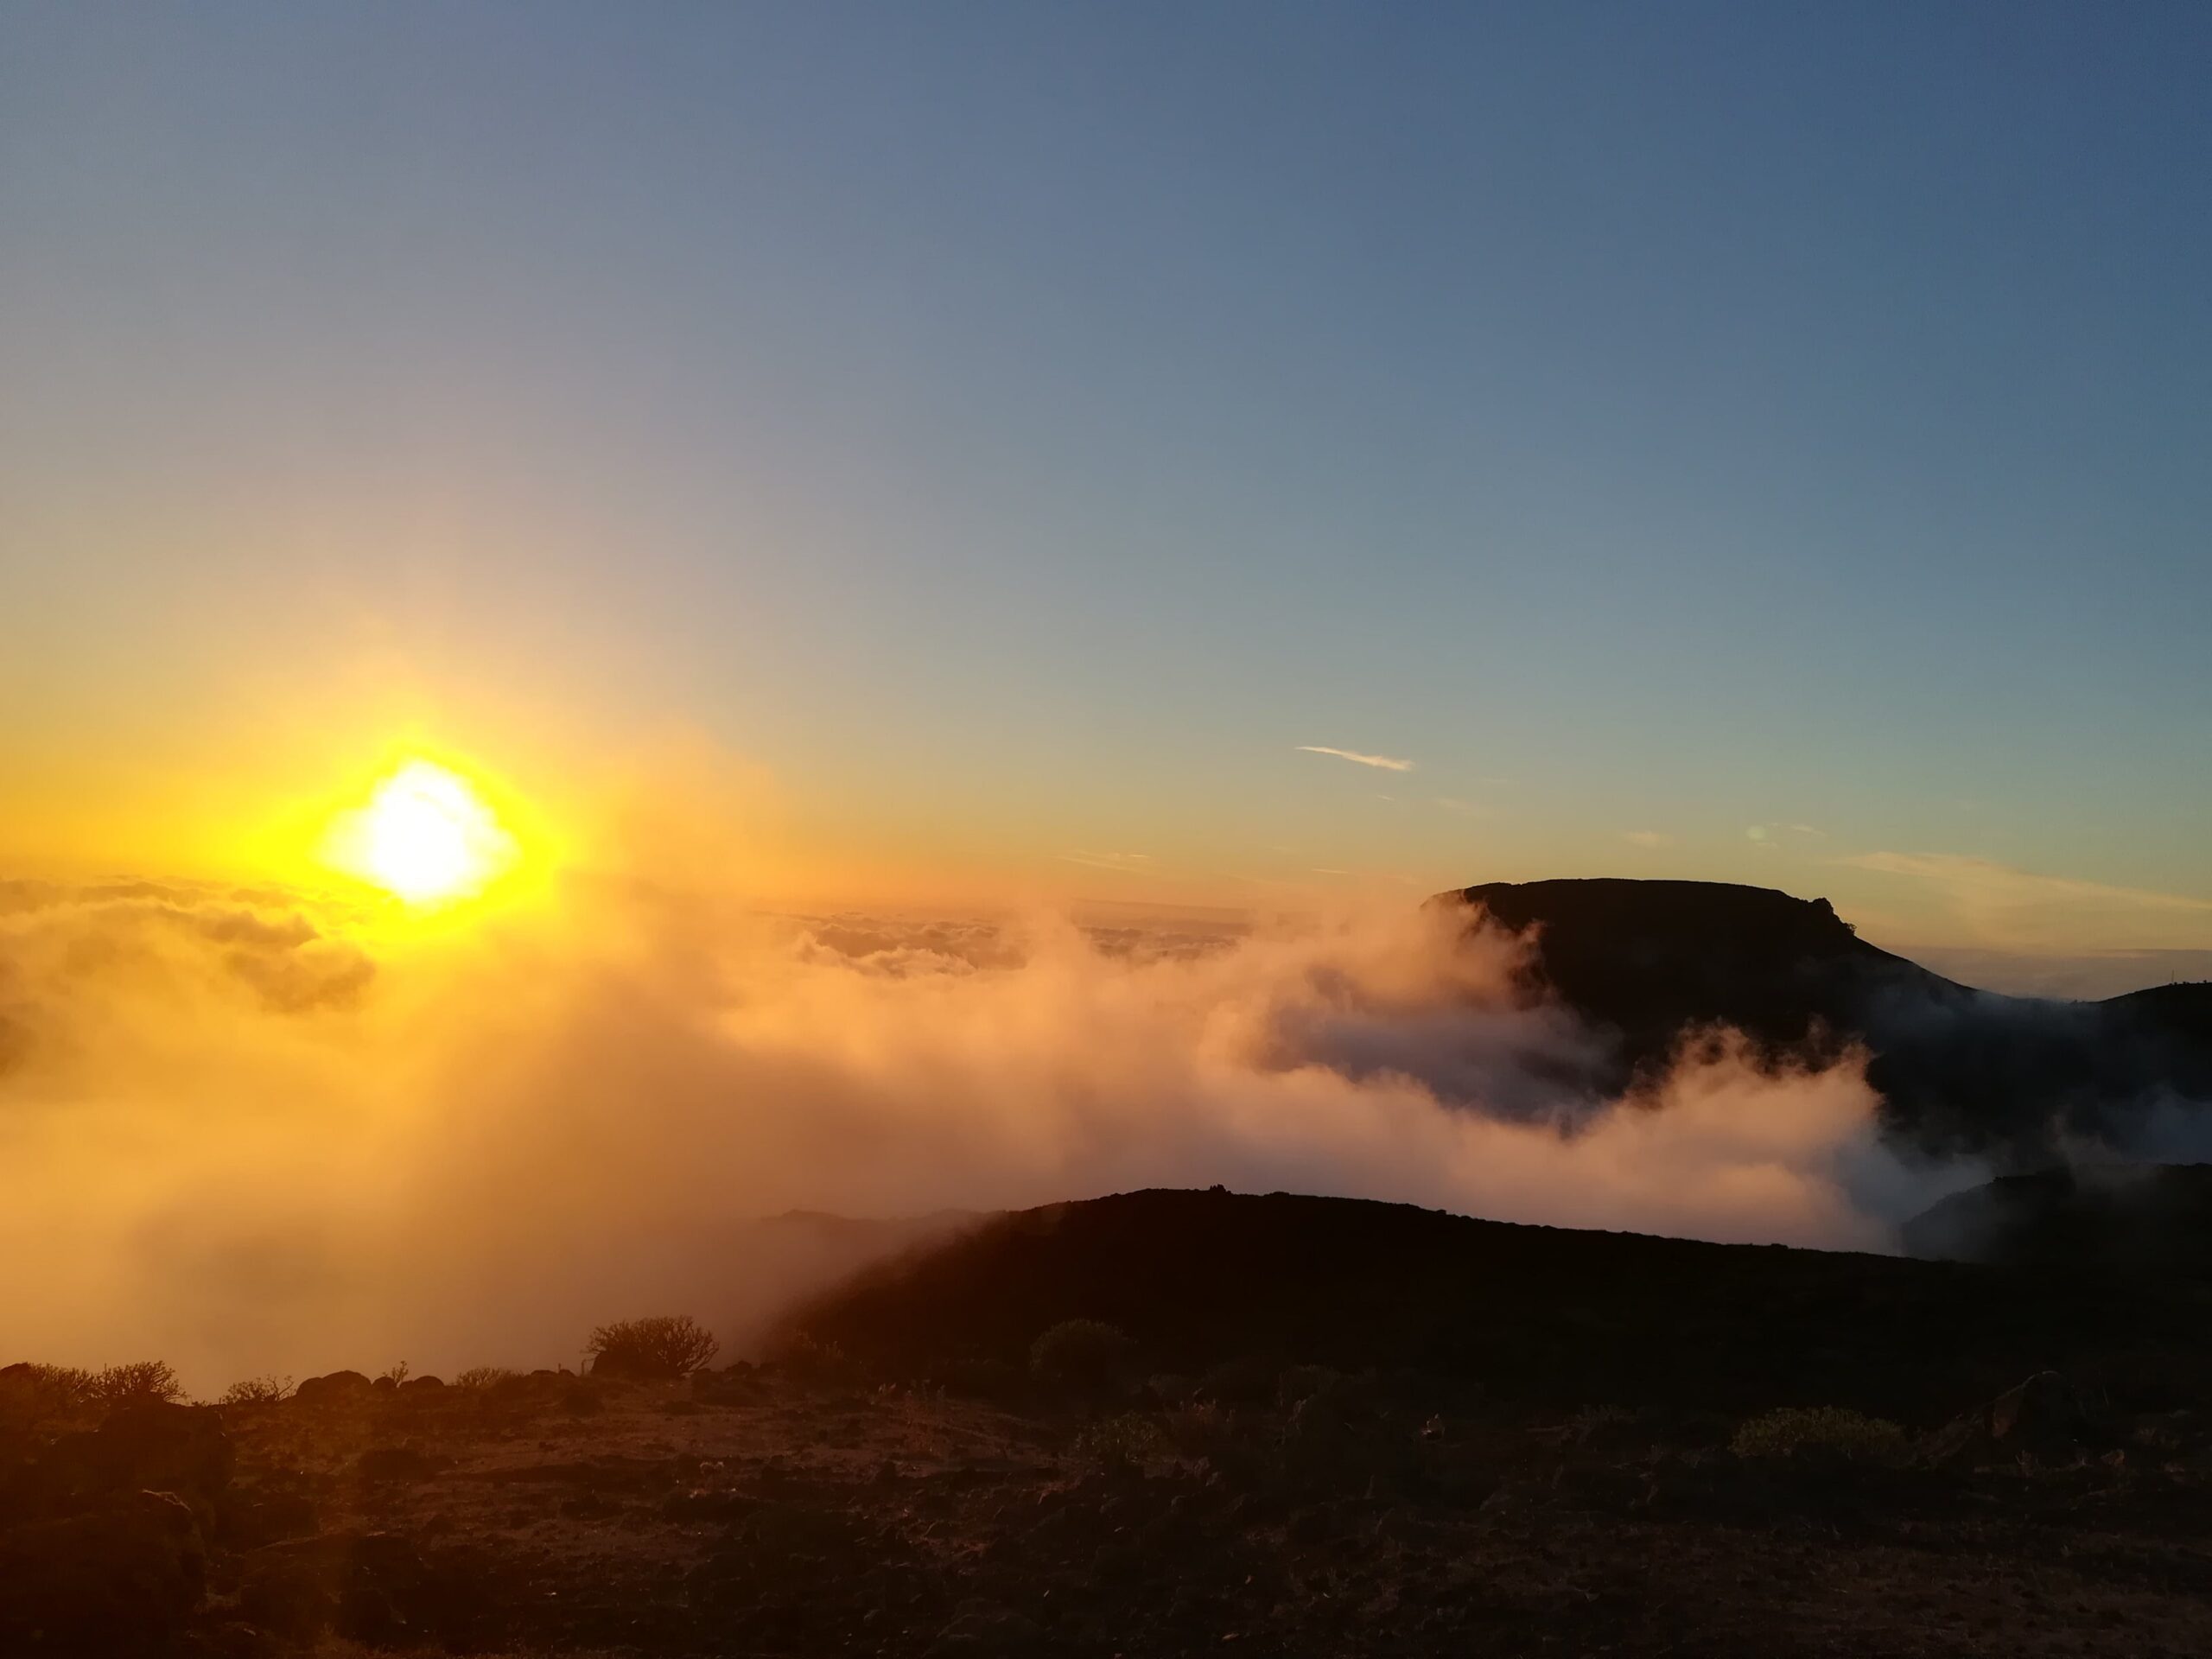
{"x":484,"y":1377}
{"x":663,"y":1346}
{"x":1831,"y":1431}
{"x":257,"y":1391}
{"x":397,"y":1375}
{"x":1129,"y":1441}
{"x":1085,"y":1354}
{"x":140,"y":1381}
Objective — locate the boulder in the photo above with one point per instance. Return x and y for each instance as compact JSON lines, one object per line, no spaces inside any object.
{"x":122,"y":1578}
{"x":2044,"y":1415}
{"x":367,"y":1587}
{"x":338,"y":1388}
{"x":156,"y":1447}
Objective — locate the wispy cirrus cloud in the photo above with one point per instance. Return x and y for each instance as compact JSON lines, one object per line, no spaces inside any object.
{"x":1988,"y":880}
{"x":1388,"y":763}
{"x":1126,"y":863}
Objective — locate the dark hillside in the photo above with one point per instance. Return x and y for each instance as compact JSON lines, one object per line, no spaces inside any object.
{"x":1532,"y":1313}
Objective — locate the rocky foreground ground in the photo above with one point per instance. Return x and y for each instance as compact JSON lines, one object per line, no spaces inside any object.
{"x":1291,"y":1512}
{"x":1182,"y":1423}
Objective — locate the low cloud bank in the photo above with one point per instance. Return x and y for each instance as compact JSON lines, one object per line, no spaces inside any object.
{"x":236,"y":1134}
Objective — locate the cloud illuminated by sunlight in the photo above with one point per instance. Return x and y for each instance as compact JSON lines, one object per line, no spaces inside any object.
{"x":1388,"y":763}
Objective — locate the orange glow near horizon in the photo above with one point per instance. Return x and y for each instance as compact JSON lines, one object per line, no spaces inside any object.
{"x":425,"y":835}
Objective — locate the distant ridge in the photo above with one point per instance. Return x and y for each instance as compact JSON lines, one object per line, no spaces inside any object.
{"x":2013,"y":1078}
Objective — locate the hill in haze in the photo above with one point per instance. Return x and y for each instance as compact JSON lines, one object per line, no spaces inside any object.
{"x":2015,"y":1079}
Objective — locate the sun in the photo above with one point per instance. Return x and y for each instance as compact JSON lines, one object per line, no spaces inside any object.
{"x":425,"y":835}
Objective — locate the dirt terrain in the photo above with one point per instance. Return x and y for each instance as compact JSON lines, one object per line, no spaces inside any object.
{"x":1177,"y":1489}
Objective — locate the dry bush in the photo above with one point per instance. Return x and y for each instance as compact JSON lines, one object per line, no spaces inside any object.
{"x":1831,"y":1431}
{"x":666,"y":1346}
{"x":30,"y":1392}
{"x":484,"y":1377}
{"x":397,"y":1375}
{"x":1083,"y":1354}
{"x":140,"y":1381}
{"x":258,"y":1392}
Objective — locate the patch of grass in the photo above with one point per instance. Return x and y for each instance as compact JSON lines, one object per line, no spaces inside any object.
{"x":1832,"y":1431}
{"x":664,"y":1346}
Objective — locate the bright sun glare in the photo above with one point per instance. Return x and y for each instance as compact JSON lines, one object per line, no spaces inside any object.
{"x":425,"y":835}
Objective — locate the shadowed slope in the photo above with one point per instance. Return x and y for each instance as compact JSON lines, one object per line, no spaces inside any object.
{"x":1524,"y":1312}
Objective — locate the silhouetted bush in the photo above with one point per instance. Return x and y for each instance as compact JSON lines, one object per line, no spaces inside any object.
{"x":1830,"y":1431}
{"x":31,"y":1391}
{"x":1085,"y":1354}
{"x":484,"y":1377}
{"x":663,"y":1346}
{"x":140,"y":1380}
{"x":257,"y":1391}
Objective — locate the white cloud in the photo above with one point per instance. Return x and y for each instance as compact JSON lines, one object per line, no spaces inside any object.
{"x":1388,"y":763}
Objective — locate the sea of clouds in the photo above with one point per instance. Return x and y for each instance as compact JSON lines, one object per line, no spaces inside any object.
{"x":248,"y":1131}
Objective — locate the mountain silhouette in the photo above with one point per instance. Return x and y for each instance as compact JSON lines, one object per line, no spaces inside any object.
{"x":2018,"y":1080}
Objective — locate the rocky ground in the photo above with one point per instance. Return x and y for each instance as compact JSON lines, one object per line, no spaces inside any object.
{"x":1004,"y":1476}
{"x":763,"y":1512}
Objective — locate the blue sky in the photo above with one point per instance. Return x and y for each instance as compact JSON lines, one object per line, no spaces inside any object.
{"x":1019,"y":428}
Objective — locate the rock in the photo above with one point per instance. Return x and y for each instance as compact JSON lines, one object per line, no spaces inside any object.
{"x":251,"y":1519}
{"x":123,"y":1579}
{"x":373,"y":1588}
{"x":2045,"y":1414}
{"x":338,"y":1388}
{"x":382,"y":1462}
{"x":983,"y":1629}
{"x":157,"y":1446}
{"x":423,"y":1385}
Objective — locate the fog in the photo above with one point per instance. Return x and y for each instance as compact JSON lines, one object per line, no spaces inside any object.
{"x":250,"y":1133}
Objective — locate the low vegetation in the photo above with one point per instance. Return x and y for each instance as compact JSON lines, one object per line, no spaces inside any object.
{"x":660,"y":1347}
{"x":1829,"y":1430}
{"x":258,"y":1392}
{"x":1129,"y":1441}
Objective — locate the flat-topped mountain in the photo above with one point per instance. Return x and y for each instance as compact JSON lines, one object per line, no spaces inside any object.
{"x":1959,"y":1070}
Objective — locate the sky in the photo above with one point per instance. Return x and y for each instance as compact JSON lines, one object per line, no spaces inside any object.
{"x":1162,"y":454}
